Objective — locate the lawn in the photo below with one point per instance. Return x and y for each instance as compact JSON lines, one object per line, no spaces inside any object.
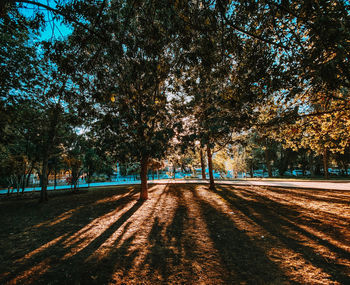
{"x":184,"y":233}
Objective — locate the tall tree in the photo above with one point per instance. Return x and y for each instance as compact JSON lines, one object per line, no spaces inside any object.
{"x":128,"y":70}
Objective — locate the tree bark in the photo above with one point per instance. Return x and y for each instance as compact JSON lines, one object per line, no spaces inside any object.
{"x":26,"y":179}
{"x":74,"y":182}
{"x":325,"y":163}
{"x":75,"y":177}
{"x":55,"y":180}
{"x":210,"y":166}
{"x":144,"y":186}
{"x":19,"y":183}
{"x":48,"y":144}
{"x":251,"y":172}
{"x":202,"y":164}
{"x":28,"y":176}
{"x":44,"y":174}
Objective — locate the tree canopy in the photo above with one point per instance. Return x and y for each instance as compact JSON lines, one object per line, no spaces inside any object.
{"x":135,"y":80}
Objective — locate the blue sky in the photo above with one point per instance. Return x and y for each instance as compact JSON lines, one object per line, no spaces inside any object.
{"x":54,"y":28}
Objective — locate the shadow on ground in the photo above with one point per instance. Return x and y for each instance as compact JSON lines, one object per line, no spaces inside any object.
{"x":182,"y":234}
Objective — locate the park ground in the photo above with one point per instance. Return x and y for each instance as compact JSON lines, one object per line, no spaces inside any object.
{"x":184,"y":234}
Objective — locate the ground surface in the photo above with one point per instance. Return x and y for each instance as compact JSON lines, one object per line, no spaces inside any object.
{"x":185,"y":233}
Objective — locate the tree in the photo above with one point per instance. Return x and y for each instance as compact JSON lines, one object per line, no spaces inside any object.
{"x":92,"y":163}
{"x":128,"y":74}
{"x":73,"y":156}
{"x":130,"y":66}
{"x":320,"y":124}
{"x":227,"y":80}
{"x":221,"y":162}
{"x":18,"y":55}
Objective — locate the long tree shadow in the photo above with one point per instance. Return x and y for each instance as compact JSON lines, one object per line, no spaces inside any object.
{"x":322,"y":221}
{"x":105,"y":241}
{"x":167,"y":249}
{"x":276,"y":219}
{"x":90,"y":271}
{"x":102,"y":262}
{"x":85,"y":271}
{"x":245,"y":262}
{"x":44,"y":243}
{"x":119,"y":263}
{"x":67,"y":223}
{"x":326,"y":196}
{"x":170,"y":248}
{"x":32,"y":214}
{"x":295,"y":216}
{"x":101,"y":238}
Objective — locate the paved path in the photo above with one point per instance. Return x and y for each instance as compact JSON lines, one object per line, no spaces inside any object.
{"x":329,"y":185}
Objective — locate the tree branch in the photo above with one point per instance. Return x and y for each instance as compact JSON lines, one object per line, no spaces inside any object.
{"x":56,"y":11}
{"x":248,"y":33}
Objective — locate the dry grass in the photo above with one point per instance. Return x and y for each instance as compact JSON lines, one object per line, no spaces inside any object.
{"x":183,"y":234}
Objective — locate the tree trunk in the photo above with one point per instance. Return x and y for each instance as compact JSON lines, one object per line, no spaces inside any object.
{"x":251,"y":172}
{"x":48,"y":144}
{"x":174,"y":167}
{"x":28,"y":176}
{"x":202,"y":164}
{"x":55,"y":179}
{"x":74,"y":181}
{"x":19,"y":183}
{"x":44,"y":176}
{"x":13,"y":185}
{"x":23,"y":182}
{"x":144,"y":186}
{"x":75,"y":177}
{"x":325,"y":163}
{"x":210,"y":166}
{"x":26,"y":179}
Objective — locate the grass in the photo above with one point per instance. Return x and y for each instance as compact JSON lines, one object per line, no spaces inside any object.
{"x":185,"y":233}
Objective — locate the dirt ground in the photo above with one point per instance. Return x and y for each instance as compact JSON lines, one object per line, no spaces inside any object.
{"x":184,"y":234}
